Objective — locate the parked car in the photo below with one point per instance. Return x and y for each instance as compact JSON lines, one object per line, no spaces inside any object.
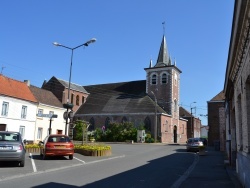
{"x":12,"y":147}
{"x":57,"y":145}
{"x":193,"y":144}
{"x":204,"y":140}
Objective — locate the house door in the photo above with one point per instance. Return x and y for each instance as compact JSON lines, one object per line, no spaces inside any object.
{"x":2,"y":127}
{"x":175,"y":134}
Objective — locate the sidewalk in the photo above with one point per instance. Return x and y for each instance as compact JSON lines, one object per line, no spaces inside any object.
{"x":210,"y":171}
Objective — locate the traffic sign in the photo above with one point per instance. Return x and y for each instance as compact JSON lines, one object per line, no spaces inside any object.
{"x":47,"y":115}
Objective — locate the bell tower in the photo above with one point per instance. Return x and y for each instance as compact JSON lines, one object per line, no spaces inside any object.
{"x":163,"y":81}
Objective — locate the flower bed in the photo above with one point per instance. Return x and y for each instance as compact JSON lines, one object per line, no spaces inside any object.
{"x":85,"y":149}
{"x":32,"y":148}
{"x":93,"y":150}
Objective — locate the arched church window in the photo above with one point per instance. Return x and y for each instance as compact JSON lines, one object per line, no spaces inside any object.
{"x":153,"y":81}
{"x":72,"y":98}
{"x":124,"y":119}
{"x":147,"y":124}
{"x":77,"y":100}
{"x":164,"y":78}
{"x":107,"y":122}
{"x":92,"y":124}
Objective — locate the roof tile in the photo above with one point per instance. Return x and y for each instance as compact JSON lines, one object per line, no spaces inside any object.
{"x":16,"y":89}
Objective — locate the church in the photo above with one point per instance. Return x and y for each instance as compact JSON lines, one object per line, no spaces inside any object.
{"x":152,"y":102}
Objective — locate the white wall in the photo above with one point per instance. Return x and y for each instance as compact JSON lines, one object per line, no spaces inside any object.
{"x":13,"y":119}
{"x":44,"y":122}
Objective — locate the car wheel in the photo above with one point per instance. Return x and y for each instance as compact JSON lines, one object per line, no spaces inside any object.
{"x":70,"y":157}
{"x":22,"y":163}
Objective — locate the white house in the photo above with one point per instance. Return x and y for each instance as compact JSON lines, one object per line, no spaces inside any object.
{"x":48,"y":105}
{"x":18,"y":107}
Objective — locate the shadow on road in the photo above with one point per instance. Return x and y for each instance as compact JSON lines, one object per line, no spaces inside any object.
{"x":161,"y":172}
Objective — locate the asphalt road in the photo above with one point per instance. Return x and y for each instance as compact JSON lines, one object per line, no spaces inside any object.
{"x":129,"y":166}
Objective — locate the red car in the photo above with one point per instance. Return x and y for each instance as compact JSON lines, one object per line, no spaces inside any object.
{"x":57,"y":145}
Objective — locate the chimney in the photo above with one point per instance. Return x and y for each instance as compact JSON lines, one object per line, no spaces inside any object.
{"x":27,"y":82}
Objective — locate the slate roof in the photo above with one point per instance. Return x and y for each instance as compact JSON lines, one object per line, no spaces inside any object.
{"x":16,"y":89}
{"x":73,"y":86}
{"x":183,"y":112}
{"x":46,"y":97}
{"x":124,"y":97}
{"x":163,"y":57}
{"x":219,"y":97}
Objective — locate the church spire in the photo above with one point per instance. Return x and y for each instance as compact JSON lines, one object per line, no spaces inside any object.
{"x":163,"y":57}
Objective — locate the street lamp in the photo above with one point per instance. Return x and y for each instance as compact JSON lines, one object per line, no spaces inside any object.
{"x":68,"y":105}
{"x":155,"y":127}
{"x":192,"y":135}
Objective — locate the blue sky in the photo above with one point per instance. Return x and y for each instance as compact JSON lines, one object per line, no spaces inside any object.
{"x":128,"y":35}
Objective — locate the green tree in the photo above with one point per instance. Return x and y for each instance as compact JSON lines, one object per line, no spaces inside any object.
{"x":80,"y":130}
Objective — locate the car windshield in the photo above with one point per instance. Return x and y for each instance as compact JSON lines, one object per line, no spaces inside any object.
{"x":58,"y":139}
{"x":12,"y":137}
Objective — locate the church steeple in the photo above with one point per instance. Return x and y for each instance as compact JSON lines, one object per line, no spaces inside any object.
{"x":163,"y":57}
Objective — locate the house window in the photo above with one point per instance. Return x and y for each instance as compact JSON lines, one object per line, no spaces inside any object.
{"x":24,"y":112}
{"x":40,"y":112}
{"x":22,"y":131}
{"x":5,"y":108}
{"x":83,"y":99}
{"x":183,"y":129}
{"x":77,"y":100}
{"x":51,"y":113}
{"x":153,"y":80}
{"x":39,"y":133}
{"x":164,"y":78}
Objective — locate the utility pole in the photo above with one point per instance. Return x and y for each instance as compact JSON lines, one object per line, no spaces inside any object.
{"x":191,"y":123}
{"x":155,"y":127}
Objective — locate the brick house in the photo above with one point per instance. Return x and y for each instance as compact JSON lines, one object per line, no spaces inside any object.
{"x":193,"y":124}
{"x":217,"y":121}
{"x":152,"y":102}
{"x":237,"y":93}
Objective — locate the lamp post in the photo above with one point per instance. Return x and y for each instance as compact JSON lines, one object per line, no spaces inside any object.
{"x":155,"y":127}
{"x":69,"y":105}
{"x":192,"y":132}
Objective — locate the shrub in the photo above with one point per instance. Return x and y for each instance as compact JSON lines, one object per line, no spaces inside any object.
{"x":92,"y":147}
{"x":32,"y":146}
